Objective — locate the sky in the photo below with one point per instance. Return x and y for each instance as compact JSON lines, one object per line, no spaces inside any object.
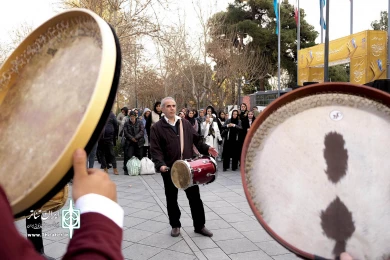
{"x":35,"y":12}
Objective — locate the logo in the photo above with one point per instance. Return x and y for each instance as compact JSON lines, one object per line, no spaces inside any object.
{"x":336,"y":115}
{"x":70,"y":218}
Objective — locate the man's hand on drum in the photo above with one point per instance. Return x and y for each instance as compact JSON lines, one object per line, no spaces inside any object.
{"x":164,"y":168}
{"x":213,"y":152}
{"x":91,"y":180}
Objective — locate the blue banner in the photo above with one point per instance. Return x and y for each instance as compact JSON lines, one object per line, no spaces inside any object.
{"x":276,"y":15}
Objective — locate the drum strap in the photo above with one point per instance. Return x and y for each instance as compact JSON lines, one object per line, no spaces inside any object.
{"x":181,"y":140}
{"x":182,"y":143}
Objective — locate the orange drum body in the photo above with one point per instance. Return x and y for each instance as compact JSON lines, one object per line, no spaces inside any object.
{"x":186,"y":173}
{"x":316,"y":171}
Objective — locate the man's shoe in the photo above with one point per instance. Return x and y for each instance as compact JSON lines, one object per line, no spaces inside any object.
{"x":205,"y":232}
{"x":116,"y":171}
{"x":175,"y":232}
{"x":105,"y":170}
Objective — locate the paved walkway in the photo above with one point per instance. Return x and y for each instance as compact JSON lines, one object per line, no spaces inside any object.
{"x":237,"y":234}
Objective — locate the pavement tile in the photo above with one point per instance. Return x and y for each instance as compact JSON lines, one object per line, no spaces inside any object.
{"x":215,"y":254}
{"x":186,"y":222}
{"x":286,"y":257}
{"x":237,"y":246}
{"x":160,"y":240}
{"x":130,"y":210}
{"x":146,"y":214}
{"x":130,"y":221}
{"x":236,"y":198}
{"x":141,"y":204}
{"x":171,"y":255}
{"x":226,"y":234}
{"x":272,"y":248}
{"x":161,"y":218}
{"x":217,"y":204}
{"x":226,"y":194}
{"x":126,"y":244}
{"x":140,"y":252}
{"x":238,"y":217}
{"x":204,"y":242}
{"x":258,"y":255}
{"x":182,"y":247}
{"x":211,"y":216}
{"x":56,"y":249}
{"x":217,"y":224}
{"x":152,"y":226}
{"x":135,"y":235}
{"x":257,"y":236}
{"x":250,"y":225}
{"x":226,"y":210}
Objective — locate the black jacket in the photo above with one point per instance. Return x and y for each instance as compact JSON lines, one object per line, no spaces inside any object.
{"x":135,"y":130}
{"x":110,"y":130}
{"x":165,"y":143}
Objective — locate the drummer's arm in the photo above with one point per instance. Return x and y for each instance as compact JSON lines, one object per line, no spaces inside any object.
{"x":155,"y":149}
{"x":12,"y":244}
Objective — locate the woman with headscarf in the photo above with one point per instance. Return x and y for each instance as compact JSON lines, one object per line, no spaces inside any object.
{"x":221,"y":118}
{"x":147,"y":121}
{"x":191,"y":118}
{"x":157,"y":112}
{"x":233,"y":128}
{"x":243,"y":116}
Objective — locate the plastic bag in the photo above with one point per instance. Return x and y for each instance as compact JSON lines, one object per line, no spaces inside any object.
{"x":147,"y":166}
{"x":134,"y":166}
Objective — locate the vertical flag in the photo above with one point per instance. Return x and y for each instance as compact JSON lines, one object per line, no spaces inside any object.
{"x":276,"y":15}
{"x":322,"y":20}
{"x":296,"y":10}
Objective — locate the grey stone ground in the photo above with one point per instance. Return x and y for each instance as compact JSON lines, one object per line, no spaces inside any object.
{"x":237,"y":234}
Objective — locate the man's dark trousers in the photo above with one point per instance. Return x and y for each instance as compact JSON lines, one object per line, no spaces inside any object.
{"x":196,"y":204}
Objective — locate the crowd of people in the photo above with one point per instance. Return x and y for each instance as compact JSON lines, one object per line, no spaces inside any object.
{"x":224,"y":130}
{"x":161,"y":134}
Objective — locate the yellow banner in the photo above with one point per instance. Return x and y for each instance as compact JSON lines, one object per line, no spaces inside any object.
{"x":365,"y":51}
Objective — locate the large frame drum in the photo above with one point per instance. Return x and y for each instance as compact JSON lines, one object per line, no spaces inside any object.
{"x":316,"y":171}
{"x":56,"y":92}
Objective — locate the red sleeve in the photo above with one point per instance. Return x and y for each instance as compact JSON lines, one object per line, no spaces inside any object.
{"x":98,"y":238}
{"x":12,"y":244}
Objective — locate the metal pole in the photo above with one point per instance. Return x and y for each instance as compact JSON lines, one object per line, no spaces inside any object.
{"x":326,"y":63}
{"x":279,"y":33}
{"x":135,"y":77}
{"x":388,"y":41}
{"x":321,"y":19}
{"x":298,"y":40}
{"x":351,"y":32}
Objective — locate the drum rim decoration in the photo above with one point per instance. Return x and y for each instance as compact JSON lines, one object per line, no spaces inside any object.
{"x":94,"y":118}
{"x":322,"y":88}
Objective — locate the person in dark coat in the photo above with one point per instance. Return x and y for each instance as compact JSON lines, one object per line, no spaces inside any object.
{"x":134,"y":134}
{"x":107,"y":140}
{"x":165,"y":150}
{"x":233,"y":128}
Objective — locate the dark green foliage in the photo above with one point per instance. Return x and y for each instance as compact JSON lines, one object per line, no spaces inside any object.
{"x":382,"y":23}
{"x":257,"y":19}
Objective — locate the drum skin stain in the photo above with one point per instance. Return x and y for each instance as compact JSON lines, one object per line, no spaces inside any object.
{"x":336,"y":156}
{"x":336,"y":220}
{"x":337,"y":223}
